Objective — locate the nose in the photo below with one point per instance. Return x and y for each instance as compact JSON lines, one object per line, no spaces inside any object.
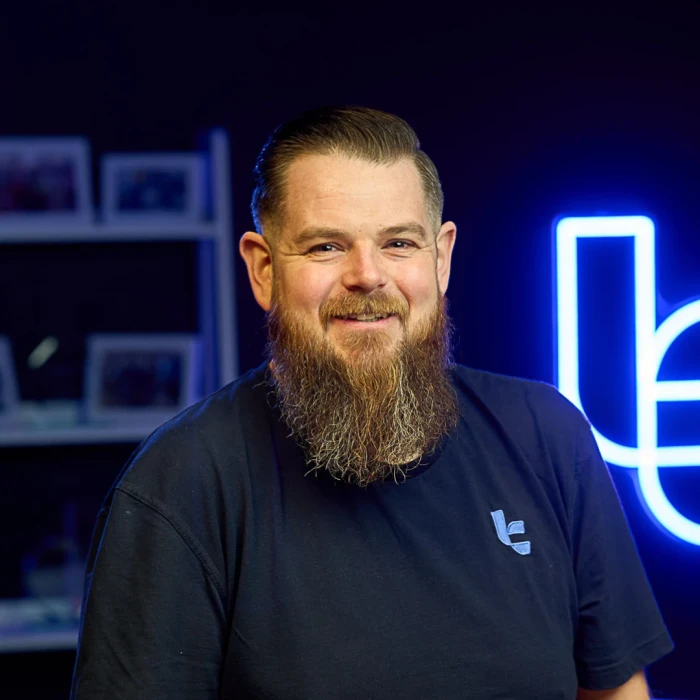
{"x":364,"y":271}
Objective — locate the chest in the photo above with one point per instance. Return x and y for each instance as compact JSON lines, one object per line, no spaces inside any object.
{"x":452,"y":590}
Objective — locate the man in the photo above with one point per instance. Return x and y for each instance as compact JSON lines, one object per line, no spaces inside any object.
{"x":360,"y":517}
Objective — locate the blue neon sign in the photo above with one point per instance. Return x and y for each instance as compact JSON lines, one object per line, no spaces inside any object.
{"x":651,"y":346}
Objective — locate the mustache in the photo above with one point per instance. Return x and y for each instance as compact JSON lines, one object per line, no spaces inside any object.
{"x":358,"y":303}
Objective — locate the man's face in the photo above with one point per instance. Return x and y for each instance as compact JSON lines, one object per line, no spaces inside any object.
{"x":356,"y":239}
{"x":365,"y":396}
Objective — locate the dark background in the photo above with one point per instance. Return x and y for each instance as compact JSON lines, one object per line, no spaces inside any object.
{"x":529,"y":111}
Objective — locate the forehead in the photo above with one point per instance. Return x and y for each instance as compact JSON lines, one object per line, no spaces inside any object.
{"x":349,"y":193}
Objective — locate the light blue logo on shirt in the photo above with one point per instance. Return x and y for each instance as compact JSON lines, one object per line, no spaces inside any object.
{"x":517,"y":527}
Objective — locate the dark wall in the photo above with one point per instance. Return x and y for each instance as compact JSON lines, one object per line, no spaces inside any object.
{"x":527,"y":113}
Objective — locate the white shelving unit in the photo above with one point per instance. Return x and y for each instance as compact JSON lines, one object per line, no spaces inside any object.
{"x":44,"y":624}
{"x":29,"y":624}
{"x":80,"y":435}
{"x":218,"y":308}
{"x":39,"y":640}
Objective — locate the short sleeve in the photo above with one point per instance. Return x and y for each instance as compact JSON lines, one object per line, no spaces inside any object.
{"x":152,"y":621}
{"x":620,"y":629}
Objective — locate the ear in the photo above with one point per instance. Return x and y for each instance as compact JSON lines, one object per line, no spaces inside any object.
{"x":256,"y":252}
{"x":445,"y":241}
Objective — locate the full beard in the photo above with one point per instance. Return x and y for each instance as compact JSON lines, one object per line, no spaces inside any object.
{"x":366,"y":417}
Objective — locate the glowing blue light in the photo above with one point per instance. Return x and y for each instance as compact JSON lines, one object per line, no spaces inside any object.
{"x":651,"y":346}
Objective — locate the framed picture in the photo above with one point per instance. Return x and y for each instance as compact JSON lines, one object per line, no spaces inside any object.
{"x":9,"y":395}
{"x":141,"y":379}
{"x":143,"y":188}
{"x":44,"y":182}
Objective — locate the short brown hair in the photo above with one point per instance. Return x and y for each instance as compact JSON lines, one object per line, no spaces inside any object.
{"x":356,"y":132}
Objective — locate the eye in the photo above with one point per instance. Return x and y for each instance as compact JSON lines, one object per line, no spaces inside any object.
{"x":401,"y":245}
{"x":323,"y":248}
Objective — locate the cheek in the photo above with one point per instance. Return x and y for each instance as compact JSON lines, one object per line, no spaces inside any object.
{"x":304,"y":292}
{"x":419,"y":286}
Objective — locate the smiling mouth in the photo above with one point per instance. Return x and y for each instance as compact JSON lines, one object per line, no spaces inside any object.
{"x":365,"y":318}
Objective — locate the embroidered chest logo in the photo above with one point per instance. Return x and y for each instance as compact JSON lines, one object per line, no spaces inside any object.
{"x":517,"y":527}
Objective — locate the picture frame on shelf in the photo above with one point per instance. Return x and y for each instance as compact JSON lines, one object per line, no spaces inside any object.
{"x":143,"y":188}
{"x":45,"y":182}
{"x":134,"y":379}
{"x":9,"y":393}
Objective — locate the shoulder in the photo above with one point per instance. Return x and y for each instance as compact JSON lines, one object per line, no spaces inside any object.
{"x":202,"y":444}
{"x":514,"y":392}
{"x":533,"y":412}
{"x":214,"y":417}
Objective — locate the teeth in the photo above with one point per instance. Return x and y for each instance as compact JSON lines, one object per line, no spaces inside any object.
{"x":365,"y":317}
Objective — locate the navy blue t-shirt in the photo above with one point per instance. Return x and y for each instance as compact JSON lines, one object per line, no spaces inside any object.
{"x":502,"y":567}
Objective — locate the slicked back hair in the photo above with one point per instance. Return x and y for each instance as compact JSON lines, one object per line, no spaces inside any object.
{"x":354,"y":132}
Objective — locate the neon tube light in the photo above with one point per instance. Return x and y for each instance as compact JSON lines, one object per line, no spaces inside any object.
{"x":651,"y":346}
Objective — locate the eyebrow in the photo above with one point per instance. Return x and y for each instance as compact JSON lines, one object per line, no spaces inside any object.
{"x":316,"y":232}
